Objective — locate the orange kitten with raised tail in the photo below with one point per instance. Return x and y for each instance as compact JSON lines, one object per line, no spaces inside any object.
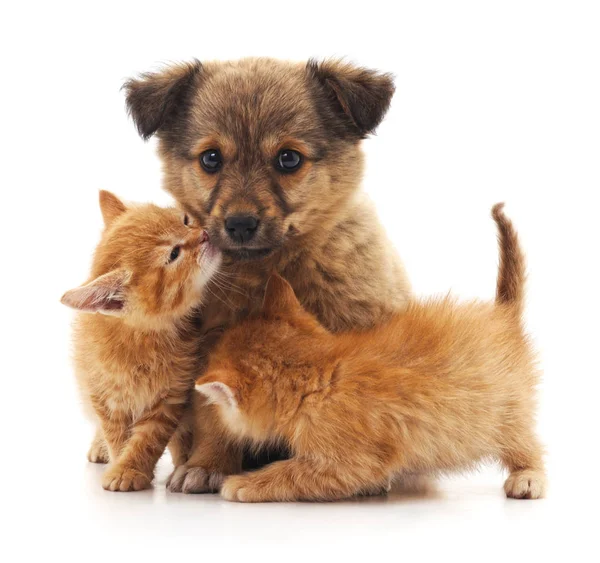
{"x":136,"y":354}
{"x":438,"y":388}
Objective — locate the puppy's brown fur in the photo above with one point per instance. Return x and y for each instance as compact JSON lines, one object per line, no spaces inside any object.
{"x":315,"y":227}
{"x":437,"y":388}
{"x":136,"y":354}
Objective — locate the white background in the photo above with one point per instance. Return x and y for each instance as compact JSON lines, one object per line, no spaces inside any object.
{"x":496,"y":101}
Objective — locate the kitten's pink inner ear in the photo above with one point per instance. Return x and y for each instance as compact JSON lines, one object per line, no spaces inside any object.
{"x":105,"y":294}
{"x":219,"y":393}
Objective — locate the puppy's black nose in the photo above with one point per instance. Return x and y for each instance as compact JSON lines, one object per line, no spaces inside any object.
{"x":241,"y":228}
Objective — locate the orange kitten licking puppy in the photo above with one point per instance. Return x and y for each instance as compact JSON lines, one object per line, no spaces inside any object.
{"x":135,"y":351}
{"x":439,"y":387}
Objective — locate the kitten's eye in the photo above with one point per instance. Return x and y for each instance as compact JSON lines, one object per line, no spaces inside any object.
{"x":186,"y":220}
{"x":211,"y":160}
{"x":288,"y":160}
{"x":174,"y":254}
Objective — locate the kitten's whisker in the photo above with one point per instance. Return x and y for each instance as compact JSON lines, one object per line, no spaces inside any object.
{"x":229,"y":305}
{"x":228,"y":285}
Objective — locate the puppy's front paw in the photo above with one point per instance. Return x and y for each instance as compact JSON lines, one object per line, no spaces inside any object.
{"x":125,"y":479}
{"x":527,"y":484}
{"x":194,"y":480}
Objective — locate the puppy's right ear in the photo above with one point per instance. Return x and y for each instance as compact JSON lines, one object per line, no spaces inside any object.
{"x":154,"y":98}
{"x":110,"y":206}
{"x":352,"y":100}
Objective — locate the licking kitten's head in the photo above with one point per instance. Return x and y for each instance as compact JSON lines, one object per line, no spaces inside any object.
{"x":256,"y":359}
{"x":151,"y":266}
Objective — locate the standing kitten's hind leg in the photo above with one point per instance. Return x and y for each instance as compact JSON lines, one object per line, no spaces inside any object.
{"x":527,"y":479}
{"x":98,"y":452}
{"x":526,"y":484}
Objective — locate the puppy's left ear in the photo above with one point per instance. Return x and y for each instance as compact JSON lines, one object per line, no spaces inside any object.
{"x":154,"y":99}
{"x":357,"y":98}
{"x":280,"y":299}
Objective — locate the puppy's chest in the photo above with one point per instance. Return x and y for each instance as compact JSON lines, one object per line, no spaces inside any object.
{"x":322,"y":290}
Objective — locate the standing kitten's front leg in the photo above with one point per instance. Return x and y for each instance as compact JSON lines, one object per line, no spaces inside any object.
{"x":133,"y":470}
{"x":523,"y":457}
{"x":299,"y":479}
{"x":115,"y":432}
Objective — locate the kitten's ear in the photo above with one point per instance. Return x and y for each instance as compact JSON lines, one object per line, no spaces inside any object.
{"x":351,"y":99}
{"x":280,"y":298}
{"x":217,"y":392}
{"x":105,"y":294}
{"x":154,"y":99}
{"x":110,"y":206}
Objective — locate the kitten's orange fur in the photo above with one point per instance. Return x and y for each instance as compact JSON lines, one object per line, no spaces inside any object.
{"x":437,"y":388}
{"x":136,"y":356}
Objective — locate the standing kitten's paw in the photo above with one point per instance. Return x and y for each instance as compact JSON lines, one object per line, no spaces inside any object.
{"x":98,"y":452}
{"x":527,"y":484}
{"x":124,"y":479}
{"x":193,"y":480}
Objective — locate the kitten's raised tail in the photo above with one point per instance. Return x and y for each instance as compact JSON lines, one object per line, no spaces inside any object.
{"x":511,"y":272}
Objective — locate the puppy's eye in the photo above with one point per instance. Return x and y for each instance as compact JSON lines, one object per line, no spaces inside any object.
{"x":288,"y":160}
{"x":211,"y":160}
{"x":174,"y":254}
{"x":186,"y":220}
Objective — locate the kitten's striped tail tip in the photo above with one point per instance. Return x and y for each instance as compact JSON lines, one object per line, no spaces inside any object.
{"x":498,"y":211}
{"x":511,"y":271}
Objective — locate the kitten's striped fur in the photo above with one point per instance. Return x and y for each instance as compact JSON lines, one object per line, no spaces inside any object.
{"x":136,"y":355}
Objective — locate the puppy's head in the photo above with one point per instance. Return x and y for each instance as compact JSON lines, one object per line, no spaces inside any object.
{"x":260,"y":150}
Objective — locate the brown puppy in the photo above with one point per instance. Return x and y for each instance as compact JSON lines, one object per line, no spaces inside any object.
{"x":439,"y":387}
{"x":266,"y":154}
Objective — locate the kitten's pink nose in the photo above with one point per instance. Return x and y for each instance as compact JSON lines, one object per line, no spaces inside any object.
{"x":204,"y":237}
